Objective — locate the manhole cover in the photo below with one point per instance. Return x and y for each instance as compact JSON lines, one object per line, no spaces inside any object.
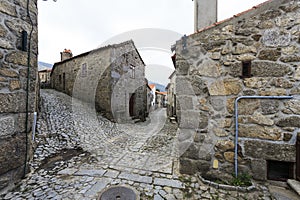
{"x":119,"y":193}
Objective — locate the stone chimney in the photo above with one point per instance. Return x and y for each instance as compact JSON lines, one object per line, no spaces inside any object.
{"x":205,"y":13}
{"x":66,"y":54}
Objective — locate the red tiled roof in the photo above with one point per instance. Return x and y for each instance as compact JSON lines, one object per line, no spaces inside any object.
{"x":151,"y":86}
{"x":162,"y":93}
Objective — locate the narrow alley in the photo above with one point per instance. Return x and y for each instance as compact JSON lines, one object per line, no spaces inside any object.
{"x":77,"y":156}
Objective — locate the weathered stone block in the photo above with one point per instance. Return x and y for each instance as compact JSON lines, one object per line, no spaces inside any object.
{"x":247,"y":106}
{"x":269,"y":106}
{"x":182,"y":67}
{"x":8,"y":8}
{"x":184,"y":86}
{"x":256,"y":82}
{"x":246,"y":57}
{"x":270,"y":151}
{"x":14,"y":103}
{"x":218,"y":103}
{"x":12,"y":153}
{"x":7,"y":126}
{"x":268,"y":24}
{"x":189,"y":119}
{"x":259,"y":169}
{"x":292,"y":107}
{"x":269,"y":69}
{"x":5,"y":44}
{"x":292,"y":58}
{"x":192,"y":152}
{"x":185,"y":134}
{"x":209,"y":68}
{"x":2,"y":31}
{"x":14,"y":85}
{"x":8,"y":73}
{"x":19,"y":58}
{"x":220,"y":132}
{"x":187,"y":166}
{"x":282,"y":83}
{"x":224,"y":145}
{"x":272,"y":92}
{"x":297,"y":73}
{"x":199,"y":85}
{"x":203,"y":120}
{"x":261,"y":132}
{"x":276,"y":38}
{"x":291,"y":121}
{"x":269,"y":54}
{"x":218,"y":175}
{"x":186,"y":103}
{"x":258,"y":118}
{"x":243,"y":49}
{"x":225,"y":87}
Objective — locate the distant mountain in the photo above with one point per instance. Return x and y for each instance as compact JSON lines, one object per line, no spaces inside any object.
{"x":43,"y":65}
{"x":158,"y":86}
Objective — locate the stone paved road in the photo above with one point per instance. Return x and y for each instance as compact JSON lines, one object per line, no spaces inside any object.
{"x":80,"y":153}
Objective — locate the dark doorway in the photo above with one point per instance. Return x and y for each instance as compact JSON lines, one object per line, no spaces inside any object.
{"x":280,"y":171}
{"x":64,"y":81}
{"x":131,"y":105}
{"x":298,"y":158}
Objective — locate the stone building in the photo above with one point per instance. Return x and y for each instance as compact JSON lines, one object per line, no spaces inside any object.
{"x":171,"y":95}
{"x":44,"y":77}
{"x":254,"y":54}
{"x":18,"y":88}
{"x":112,"y":78}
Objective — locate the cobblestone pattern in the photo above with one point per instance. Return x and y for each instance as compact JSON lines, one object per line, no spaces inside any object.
{"x":143,"y":161}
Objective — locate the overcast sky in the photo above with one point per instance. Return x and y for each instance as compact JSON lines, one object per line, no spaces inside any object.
{"x":83,"y":25}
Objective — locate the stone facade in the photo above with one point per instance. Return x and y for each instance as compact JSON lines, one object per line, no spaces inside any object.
{"x":44,"y":77}
{"x":171,"y":90}
{"x":253,"y":53}
{"x":15,"y":37}
{"x":112,"y":78}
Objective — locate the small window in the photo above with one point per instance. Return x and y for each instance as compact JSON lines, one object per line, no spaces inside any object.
{"x":84,"y":70}
{"x":246,"y":70}
{"x":280,"y":171}
{"x":59,"y":79}
{"x":132,"y":71}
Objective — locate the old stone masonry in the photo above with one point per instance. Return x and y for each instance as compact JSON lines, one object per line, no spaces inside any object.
{"x":79,"y":153}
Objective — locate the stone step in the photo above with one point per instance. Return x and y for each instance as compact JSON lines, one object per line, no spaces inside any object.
{"x":295,"y":185}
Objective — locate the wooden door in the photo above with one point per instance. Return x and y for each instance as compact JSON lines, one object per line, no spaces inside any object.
{"x":131,"y":105}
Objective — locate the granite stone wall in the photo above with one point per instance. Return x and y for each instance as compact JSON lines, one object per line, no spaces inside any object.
{"x":105,"y":77}
{"x":254,"y":53}
{"x":13,"y":87}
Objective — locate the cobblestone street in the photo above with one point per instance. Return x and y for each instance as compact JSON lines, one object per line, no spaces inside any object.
{"x":79,"y":153}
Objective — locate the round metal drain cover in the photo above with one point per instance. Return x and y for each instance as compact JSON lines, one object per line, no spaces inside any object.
{"x":119,"y":193}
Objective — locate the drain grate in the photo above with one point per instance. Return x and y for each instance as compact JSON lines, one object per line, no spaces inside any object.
{"x":119,"y":193}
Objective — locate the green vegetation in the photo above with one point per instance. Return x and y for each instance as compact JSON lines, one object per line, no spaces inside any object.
{"x":242,"y":180}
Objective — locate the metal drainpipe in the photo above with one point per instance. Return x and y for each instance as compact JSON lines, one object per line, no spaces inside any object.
{"x":237,"y":123}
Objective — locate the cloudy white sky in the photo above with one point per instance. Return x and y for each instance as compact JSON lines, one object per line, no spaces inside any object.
{"x":83,"y":25}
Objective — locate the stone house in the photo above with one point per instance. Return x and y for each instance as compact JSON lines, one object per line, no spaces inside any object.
{"x":18,"y":87}
{"x":153,"y":99}
{"x":233,"y":87}
{"x":171,"y":96}
{"x":44,"y":77}
{"x":161,"y":99}
{"x":112,"y":78}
